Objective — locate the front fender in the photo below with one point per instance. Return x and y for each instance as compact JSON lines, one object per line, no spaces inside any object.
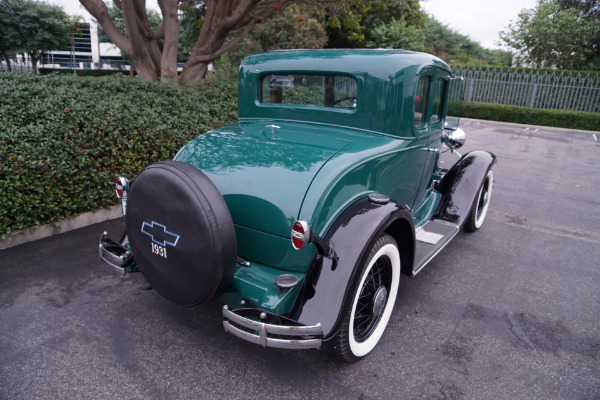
{"x":460,"y":186}
{"x":326,"y":290}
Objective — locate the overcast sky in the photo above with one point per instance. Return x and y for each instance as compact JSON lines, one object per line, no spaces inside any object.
{"x":481,"y":20}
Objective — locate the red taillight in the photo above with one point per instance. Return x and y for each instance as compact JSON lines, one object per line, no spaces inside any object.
{"x":300,"y":234}
{"x":121,"y":186}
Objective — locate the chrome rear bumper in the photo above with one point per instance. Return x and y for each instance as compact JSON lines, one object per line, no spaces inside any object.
{"x":245,"y":324}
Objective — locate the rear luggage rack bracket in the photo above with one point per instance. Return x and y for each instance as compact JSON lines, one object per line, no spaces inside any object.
{"x":114,"y":254}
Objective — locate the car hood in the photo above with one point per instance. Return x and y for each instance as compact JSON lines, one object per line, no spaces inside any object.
{"x":263,"y":169}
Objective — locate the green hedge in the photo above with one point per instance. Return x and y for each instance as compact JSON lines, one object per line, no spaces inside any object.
{"x":82,"y":72}
{"x":533,"y":116}
{"x":64,"y":138}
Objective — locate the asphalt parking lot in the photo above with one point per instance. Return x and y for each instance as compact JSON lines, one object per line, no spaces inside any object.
{"x":509,"y":312}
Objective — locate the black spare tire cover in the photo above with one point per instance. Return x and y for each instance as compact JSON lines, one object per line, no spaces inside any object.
{"x":181,"y":233}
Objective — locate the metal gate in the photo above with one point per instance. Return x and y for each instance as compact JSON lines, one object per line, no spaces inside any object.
{"x":558,"y":90}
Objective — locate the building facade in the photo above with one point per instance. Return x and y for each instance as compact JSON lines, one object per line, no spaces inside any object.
{"x":88,"y":50}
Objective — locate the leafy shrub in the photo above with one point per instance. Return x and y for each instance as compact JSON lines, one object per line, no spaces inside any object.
{"x":65,"y":138}
{"x":533,"y":116}
{"x":299,"y":94}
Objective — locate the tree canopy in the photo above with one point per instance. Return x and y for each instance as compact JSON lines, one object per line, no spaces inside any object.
{"x":198,"y":32}
{"x":457,"y":48}
{"x":296,"y":27}
{"x":557,"y":34}
{"x":403,"y":24}
{"x":397,"y":34}
{"x":32,"y":27}
{"x":212,"y":28}
{"x":378,"y":24}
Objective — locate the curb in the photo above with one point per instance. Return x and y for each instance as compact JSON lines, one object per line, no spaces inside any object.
{"x":540,"y":127}
{"x":44,"y":231}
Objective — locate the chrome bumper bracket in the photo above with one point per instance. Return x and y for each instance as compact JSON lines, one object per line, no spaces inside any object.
{"x":246,"y":324}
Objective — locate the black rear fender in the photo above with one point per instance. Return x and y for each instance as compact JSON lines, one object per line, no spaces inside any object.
{"x":329,"y":282}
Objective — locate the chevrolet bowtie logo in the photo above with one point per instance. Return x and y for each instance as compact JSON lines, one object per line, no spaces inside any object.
{"x":159,"y":234}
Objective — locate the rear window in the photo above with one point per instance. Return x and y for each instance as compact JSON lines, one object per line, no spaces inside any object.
{"x":309,"y":90}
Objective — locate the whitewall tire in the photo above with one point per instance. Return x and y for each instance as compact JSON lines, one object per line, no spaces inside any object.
{"x":372,"y":302}
{"x":480,"y":207}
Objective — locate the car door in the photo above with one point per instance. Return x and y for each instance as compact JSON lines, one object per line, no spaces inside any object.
{"x":430,"y":96}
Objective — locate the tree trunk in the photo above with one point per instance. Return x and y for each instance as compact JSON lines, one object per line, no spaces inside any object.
{"x":143,"y":69}
{"x":220,"y":20}
{"x":99,"y":11}
{"x":573,"y":60}
{"x":143,"y":55}
{"x":168,"y":62}
{"x":34,"y":61}
{"x":7,"y":58}
{"x":73,"y":53}
{"x":193,"y":73}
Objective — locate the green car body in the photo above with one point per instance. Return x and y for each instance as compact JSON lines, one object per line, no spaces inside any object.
{"x":347,"y":142}
{"x":319,"y":160}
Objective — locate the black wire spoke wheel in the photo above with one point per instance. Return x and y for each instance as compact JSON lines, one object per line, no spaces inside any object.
{"x":372,"y":301}
{"x":374,"y":291}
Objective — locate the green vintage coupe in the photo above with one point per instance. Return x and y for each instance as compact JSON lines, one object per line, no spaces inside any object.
{"x":301,"y":217}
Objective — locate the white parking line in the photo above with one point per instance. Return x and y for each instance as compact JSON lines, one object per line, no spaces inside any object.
{"x":595,"y":137}
{"x":534,"y":131}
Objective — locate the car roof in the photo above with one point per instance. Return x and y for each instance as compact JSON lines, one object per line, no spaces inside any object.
{"x":375,"y":63}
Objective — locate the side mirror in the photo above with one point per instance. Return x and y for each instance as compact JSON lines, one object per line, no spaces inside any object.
{"x":455,"y":139}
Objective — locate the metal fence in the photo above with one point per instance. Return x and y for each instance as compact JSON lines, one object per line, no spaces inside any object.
{"x":531,"y":88}
{"x":65,"y":61}
{"x":81,"y":60}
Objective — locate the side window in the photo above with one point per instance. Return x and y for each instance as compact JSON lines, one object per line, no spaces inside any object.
{"x":438,"y":101}
{"x":421,"y":100}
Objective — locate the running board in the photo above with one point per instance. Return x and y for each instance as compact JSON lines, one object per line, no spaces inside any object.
{"x":431,"y":239}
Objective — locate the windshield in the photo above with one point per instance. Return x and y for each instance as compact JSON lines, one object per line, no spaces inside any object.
{"x":455,"y":95}
{"x":309,"y":90}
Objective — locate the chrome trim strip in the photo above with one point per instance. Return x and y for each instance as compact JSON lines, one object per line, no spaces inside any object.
{"x":242,"y":262}
{"x":124,"y":204}
{"x":261,"y":337}
{"x":249,"y":119}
